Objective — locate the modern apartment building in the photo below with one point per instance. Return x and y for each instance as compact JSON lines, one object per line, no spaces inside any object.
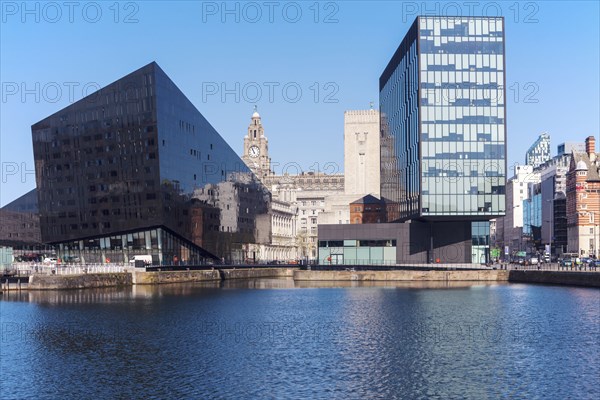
{"x":135,"y":168}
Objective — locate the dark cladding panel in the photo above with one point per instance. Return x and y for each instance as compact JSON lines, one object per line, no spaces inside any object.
{"x":97,"y":163}
{"x":136,"y":156}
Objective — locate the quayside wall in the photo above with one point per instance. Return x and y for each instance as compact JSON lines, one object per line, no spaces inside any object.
{"x":157,"y":277}
{"x":403,"y":275}
{"x":571,"y":278}
{"x":253,"y":273}
{"x":83,"y":281}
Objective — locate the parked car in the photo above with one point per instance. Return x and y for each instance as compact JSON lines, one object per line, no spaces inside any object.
{"x":585,"y":260}
{"x":50,"y":260}
{"x":566,"y":262}
{"x":534,"y":261}
{"x":146,"y":259}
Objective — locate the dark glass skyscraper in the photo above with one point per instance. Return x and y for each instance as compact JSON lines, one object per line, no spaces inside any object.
{"x":442,"y":102}
{"x":136,"y":169}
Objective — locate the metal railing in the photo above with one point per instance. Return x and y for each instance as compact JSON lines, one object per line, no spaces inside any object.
{"x":26,"y":269}
{"x":549,"y":267}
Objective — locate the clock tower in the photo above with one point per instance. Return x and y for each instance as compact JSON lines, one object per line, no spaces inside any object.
{"x":256,"y":148}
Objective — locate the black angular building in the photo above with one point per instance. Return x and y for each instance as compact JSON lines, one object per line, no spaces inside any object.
{"x":136,"y":169}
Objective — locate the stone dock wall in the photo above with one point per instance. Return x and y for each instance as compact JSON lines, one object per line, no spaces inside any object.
{"x":227,"y":274}
{"x":158,"y":277}
{"x":571,"y":278}
{"x":403,"y":275}
{"x":83,"y":281}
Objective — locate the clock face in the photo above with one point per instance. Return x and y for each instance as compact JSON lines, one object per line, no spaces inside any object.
{"x":254,"y":151}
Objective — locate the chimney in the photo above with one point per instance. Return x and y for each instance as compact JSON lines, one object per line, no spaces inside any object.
{"x":590,"y":148}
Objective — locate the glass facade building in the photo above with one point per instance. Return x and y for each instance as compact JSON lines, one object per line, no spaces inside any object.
{"x":442,"y":101}
{"x":539,"y":152}
{"x":532,"y":215}
{"x":136,"y":169}
{"x":357,"y":252}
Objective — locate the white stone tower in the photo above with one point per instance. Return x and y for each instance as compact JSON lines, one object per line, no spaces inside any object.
{"x":256,"y":148}
{"x":361,"y":152}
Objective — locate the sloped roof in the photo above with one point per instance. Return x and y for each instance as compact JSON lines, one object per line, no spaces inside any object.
{"x":368,"y":199}
{"x":593,"y":168}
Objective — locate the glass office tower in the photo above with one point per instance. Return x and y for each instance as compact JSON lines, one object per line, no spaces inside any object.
{"x":443,"y":127}
{"x":136,"y":169}
{"x":442,"y":101}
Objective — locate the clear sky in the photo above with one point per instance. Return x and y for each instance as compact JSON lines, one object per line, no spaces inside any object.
{"x":333,"y":52}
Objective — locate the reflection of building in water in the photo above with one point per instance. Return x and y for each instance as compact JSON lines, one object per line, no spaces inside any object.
{"x":136,"y":169}
{"x":231,"y":209}
{"x":20,"y":236}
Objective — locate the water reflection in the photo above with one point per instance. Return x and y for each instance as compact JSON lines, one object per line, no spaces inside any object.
{"x":108,"y":295}
{"x":396,"y":284}
{"x":303,"y":340}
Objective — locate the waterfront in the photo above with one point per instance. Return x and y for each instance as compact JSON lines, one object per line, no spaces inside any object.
{"x":276,"y":338}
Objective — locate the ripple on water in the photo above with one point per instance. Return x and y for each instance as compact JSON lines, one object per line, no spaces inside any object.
{"x":356,"y":342}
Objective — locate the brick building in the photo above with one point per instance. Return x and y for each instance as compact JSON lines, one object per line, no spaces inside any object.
{"x":367,"y":210}
{"x":583,"y":201}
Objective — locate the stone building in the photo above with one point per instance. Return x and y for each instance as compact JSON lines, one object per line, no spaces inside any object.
{"x":315,"y":197}
{"x":311,"y":194}
{"x":361,"y":152}
{"x":289,"y":229}
{"x":256,"y":148}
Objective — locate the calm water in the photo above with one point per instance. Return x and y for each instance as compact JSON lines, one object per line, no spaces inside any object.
{"x":272,"y":339}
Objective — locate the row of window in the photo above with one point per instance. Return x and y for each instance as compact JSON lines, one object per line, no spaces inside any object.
{"x":358,"y":243}
{"x":461,"y":25}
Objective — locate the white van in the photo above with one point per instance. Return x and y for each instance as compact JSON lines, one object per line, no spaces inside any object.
{"x":146,"y":258}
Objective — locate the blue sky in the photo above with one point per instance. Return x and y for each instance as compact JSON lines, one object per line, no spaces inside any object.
{"x":56,"y":53}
